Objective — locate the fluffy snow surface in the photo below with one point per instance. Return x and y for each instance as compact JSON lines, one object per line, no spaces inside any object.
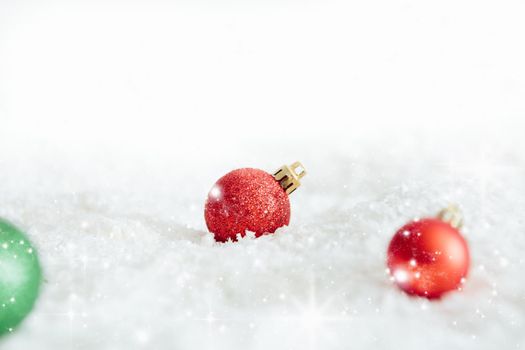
{"x":129,"y":263}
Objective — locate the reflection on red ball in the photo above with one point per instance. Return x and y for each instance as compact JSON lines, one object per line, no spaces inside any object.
{"x":427,"y":258}
{"x":246,"y":200}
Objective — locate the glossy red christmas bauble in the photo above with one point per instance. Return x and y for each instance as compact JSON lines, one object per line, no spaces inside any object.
{"x":428,"y":258}
{"x":246,"y":200}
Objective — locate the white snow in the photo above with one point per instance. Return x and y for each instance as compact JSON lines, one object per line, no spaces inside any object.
{"x":129,"y":264}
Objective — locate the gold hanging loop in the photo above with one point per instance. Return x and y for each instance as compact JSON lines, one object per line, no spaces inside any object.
{"x":289,"y":176}
{"x":452,"y":215}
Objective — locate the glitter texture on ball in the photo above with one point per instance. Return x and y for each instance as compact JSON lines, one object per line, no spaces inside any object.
{"x":246,"y":200}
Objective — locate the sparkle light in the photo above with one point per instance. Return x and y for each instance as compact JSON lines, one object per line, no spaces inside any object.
{"x":215,"y":192}
{"x":311,"y":318}
{"x":401,"y":276}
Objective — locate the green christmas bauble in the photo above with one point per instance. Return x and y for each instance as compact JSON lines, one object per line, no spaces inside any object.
{"x":20,"y":277}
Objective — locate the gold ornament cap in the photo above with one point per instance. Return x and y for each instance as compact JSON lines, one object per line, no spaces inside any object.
{"x":289,"y":176}
{"x":452,"y":215}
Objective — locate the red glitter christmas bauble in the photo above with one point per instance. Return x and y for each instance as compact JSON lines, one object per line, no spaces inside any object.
{"x":428,"y":258}
{"x":246,"y":200}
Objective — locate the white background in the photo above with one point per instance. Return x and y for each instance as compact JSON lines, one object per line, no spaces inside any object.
{"x":165,"y":73}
